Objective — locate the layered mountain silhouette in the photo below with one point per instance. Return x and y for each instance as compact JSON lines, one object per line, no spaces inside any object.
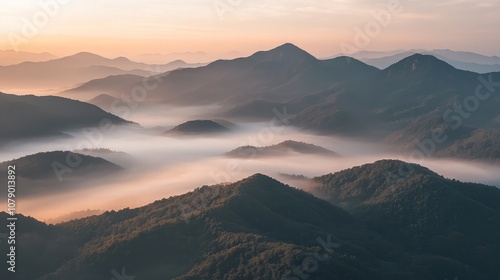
{"x":63,"y":73}
{"x":421,"y":227}
{"x":402,"y":105}
{"x":58,"y":171}
{"x":276,"y":75}
{"x":405,"y":104}
{"x":29,"y":116}
{"x":103,"y":86}
{"x":11,"y":57}
{"x":284,"y":148}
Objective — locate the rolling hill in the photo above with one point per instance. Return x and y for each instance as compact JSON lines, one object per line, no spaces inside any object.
{"x":198,"y":127}
{"x":29,"y":116}
{"x":284,"y":148}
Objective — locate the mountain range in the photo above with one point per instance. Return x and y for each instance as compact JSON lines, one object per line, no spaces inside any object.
{"x":10,"y":57}
{"x":421,"y":227}
{"x":62,"y":73}
{"x":402,"y":105}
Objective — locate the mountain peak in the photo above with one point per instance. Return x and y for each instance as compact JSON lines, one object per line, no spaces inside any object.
{"x":258,"y":178}
{"x":199,"y":127}
{"x":85,"y":54}
{"x":285,"y":52}
{"x":259,"y":183}
{"x":288,"y":46}
{"x":420,"y":62}
{"x":82,"y":56}
{"x":420,"y":66}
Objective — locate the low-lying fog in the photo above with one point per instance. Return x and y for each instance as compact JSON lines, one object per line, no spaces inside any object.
{"x":161,"y":166}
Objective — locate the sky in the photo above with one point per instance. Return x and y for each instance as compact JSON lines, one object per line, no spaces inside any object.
{"x":322,"y":27}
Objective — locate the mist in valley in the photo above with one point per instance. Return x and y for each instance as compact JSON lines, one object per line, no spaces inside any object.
{"x":158,"y":166}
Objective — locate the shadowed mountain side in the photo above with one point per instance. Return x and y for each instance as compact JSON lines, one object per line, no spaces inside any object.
{"x":406,"y":103}
{"x":59,"y":171}
{"x":276,"y":75}
{"x":285,"y":148}
{"x":198,"y":127}
{"x":422,"y":211}
{"x":30,"y":116}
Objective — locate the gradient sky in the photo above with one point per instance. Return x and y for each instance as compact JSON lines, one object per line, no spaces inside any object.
{"x":126,"y":27}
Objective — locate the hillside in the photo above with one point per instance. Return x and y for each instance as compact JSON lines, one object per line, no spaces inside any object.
{"x":421,"y":211}
{"x":29,"y":116}
{"x":282,"y":73}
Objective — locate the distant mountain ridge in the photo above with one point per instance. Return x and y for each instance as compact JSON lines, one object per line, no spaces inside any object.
{"x":11,"y":57}
{"x":58,"y":74}
{"x":401,"y":105}
{"x":461,"y":60}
